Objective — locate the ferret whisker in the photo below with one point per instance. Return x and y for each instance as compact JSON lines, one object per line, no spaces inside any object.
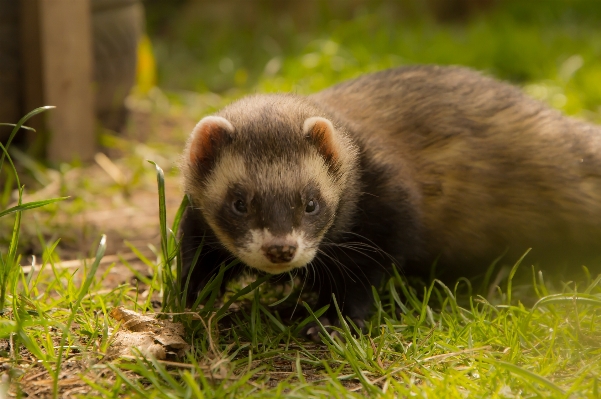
{"x":376,"y":262}
{"x":299,"y":296}
{"x":372,"y":244}
{"x":357,"y":268}
{"x":341,"y":266}
{"x":327,"y":272}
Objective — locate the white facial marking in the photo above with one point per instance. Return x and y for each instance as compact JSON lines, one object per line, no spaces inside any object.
{"x":217,"y":120}
{"x":280,"y":175}
{"x":310,"y":123}
{"x":232,"y":169}
{"x":252,"y":253}
{"x":229,"y":169}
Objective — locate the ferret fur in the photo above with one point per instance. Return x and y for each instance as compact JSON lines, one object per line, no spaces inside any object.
{"x":423,"y":164}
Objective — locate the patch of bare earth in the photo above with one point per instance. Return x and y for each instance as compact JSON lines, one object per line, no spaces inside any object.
{"x":116,"y":195}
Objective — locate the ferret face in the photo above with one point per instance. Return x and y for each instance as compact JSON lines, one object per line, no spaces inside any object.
{"x":272,"y":216}
{"x":269,"y":186}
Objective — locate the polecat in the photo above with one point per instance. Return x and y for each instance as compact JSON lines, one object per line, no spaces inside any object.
{"x":409,"y":166}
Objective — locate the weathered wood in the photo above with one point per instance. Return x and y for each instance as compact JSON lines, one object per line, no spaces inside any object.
{"x":9,"y":65}
{"x":31,"y":61}
{"x":59,"y":72}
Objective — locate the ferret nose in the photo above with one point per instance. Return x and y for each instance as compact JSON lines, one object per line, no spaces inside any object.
{"x":277,"y":253}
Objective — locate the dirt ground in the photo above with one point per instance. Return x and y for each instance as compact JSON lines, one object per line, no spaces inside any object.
{"x":115,"y":195}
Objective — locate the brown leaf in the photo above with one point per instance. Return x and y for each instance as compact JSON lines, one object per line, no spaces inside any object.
{"x":151,"y":337}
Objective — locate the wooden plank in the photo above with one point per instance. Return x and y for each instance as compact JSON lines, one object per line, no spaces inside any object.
{"x":65,"y":56}
{"x":10,"y":99}
{"x":31,"y":61}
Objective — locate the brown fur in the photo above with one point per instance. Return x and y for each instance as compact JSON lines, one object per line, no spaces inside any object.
{"x":490,"y":168}
{"x":409,"y":166}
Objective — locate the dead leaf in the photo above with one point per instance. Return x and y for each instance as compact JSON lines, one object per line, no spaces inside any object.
{"x":151,"y":337}
{"x":133,"y":321}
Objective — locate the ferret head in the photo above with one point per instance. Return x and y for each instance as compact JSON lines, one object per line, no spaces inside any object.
{"x":271,"y":177}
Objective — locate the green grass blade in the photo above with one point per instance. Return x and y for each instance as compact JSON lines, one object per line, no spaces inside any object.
{"x":313,"y":315}
{"x":287,"y":296}
{"x":241,"y":293}
{"x":162,"y":209}
{"x":9,"y":265}
{"x":189,"y":276}
{"x":529,"y":376}
{"x":15,"y":125}
{"x":82,"y":293}
{"x":30,"y":205}
{"x":514,"y":269}
{"x":271,"y":317}
{"x":585,"y":299}
{"x":19,"y":125}
{"x":180,"y":212}
{"x":10,"y":161}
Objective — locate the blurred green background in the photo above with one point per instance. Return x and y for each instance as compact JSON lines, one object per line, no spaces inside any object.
{"x":233,"y":47}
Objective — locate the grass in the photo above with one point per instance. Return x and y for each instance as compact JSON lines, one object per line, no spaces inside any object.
{"x":427,"y":340}
{"x":422,"y":343}
{"x":306,"y":46}
{"x":533,"y":336}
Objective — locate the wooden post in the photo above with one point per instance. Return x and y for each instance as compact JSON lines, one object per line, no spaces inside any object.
{"x":31,"y":61}
{"x":10,"y":90}
{"x":57,"y":46}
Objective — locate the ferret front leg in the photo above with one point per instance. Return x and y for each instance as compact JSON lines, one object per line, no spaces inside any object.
{"x":350,"y":284}
{"x":193,"y":233}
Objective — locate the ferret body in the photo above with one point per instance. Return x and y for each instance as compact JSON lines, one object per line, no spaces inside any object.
{"x":411,"y":166}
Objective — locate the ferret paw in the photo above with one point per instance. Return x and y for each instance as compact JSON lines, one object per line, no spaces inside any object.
{"x":312,"y":330}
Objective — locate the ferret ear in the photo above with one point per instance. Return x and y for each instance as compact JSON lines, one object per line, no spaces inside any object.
{"x":208,"y":136}
{"x":320,"y":132}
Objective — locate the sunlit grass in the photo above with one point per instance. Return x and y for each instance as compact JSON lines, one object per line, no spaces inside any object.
{"x":425,"y":340}
{"x":553,"y":44}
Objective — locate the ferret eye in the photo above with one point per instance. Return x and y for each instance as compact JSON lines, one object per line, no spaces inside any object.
{"x":240,"y":207}
{"x":312,"y":207}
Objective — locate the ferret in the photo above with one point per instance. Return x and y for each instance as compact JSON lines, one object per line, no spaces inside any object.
{"x":410,"y":166}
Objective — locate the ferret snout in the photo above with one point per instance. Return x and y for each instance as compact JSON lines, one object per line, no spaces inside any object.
{"x":279,"y":251}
